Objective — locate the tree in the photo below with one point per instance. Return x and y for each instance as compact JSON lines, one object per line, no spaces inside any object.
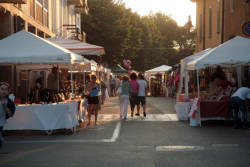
{"x":147,"y":41}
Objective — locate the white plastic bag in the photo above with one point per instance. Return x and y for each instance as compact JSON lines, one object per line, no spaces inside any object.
{"x":119,"y":91}
{"x":106,"y":94}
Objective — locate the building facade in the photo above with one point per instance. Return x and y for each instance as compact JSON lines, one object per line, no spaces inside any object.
{"x":220,"y":20}
{"x":45,"y":18}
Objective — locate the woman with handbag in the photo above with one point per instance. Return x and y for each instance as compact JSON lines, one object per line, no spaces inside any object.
{"x":93,"y":92}
{"x":7,"y":107}
{"x":124,"y":98}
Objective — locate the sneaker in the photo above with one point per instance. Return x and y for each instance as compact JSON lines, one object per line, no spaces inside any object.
{"x":137,"y":114}
{"x":132,"y":114}
{"x":244,"y":127}
{"x":144,"y":114}
{"x":125,"y":118}
{"x":236,"y":127}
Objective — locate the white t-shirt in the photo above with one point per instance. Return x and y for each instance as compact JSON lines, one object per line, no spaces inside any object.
{"x":242,"y":93}
{"x":142,"y":87}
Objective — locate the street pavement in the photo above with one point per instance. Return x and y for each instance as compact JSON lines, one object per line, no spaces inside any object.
{"x":160,"y":140}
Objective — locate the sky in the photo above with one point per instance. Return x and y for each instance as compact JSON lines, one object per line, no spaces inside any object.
{"x":177,"y":9}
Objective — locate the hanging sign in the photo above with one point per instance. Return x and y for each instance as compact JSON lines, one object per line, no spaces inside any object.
{"x":246,"y":28}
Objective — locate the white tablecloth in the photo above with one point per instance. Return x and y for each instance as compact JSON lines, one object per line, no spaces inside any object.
{"x":44,"y":117}
{"x":182,"y":109}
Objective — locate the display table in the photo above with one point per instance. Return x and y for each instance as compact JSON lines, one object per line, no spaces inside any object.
{"x":46,"y":117}
{"x":215,"y":110}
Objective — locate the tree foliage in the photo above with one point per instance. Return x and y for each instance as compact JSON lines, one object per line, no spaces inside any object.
{"x":147,"y":41}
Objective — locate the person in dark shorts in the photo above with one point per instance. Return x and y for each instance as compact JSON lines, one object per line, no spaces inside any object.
{"x":141,"y":98}
{"x":134,"y":92}
{"x":93,"y":94}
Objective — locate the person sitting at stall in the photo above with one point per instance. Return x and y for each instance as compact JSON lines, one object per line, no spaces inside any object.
{"x":238,"y":104}
{"x":218,"y":85}
{"x":35,"y":94}
{"x":53,"y":80}
{"x":53,"y":84}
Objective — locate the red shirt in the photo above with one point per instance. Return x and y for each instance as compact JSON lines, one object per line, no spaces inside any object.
{"x":134,"y":85}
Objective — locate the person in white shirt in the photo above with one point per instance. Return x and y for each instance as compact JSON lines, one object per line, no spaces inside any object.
{"x":141,"y":98}
{"x":238,"y":104}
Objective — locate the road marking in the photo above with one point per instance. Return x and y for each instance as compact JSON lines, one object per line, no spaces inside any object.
{"x":112,"y":140}
{"x":116,"y":132}
{"x":150,"y":117}
{"x":179,"y":148}
{"x":225,"y":145}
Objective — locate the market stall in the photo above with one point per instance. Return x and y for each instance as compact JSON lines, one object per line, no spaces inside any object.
{"x":28,"y":49}
{"x":234,"y":53}
{"x":157,"y":80}
{"x":183,"y":103}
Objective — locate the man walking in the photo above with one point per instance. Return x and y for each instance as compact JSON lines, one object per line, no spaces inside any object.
{"x":141,"y":95}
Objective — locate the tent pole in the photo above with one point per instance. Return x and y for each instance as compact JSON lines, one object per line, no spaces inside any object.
{"x":186,"y":74}
{"x":198,"y":88}
{"x":84,"y":81}
{"x":71,"y":81}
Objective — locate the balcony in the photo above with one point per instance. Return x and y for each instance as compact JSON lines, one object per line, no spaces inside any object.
{"x":81,"y":10}
{"x":76,"y":2}
{"x":14,"y":1}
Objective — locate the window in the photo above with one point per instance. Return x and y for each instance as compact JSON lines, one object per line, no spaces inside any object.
{"x":231,"y":6}
{"x":45,"y":4}
{"x":200,"y":27}
{"x":218,"y":16}
{"x":32,"y":8}
{"x":210,"y":22}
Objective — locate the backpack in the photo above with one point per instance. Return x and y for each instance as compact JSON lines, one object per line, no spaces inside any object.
{"x":11,"y":105}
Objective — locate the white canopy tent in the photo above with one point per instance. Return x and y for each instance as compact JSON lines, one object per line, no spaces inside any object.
{"x":78,"y":47}
{"x":162,"y":68}
{"x":182,"y":108}
{"x":25,"y":47}
{"x":184,"y":72}
{"x":234,"y":52}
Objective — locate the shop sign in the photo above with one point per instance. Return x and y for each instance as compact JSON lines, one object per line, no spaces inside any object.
{"x":246,"y":28}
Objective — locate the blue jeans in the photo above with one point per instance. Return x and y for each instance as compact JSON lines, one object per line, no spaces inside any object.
{"x":237,"y":105}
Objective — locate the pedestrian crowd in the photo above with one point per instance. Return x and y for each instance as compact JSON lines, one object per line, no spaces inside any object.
{"x":132,"y":91}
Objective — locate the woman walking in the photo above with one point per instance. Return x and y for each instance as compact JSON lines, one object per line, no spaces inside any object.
{"x":134,"y":92}
{"x":7,"y":107}
{"x":124,"y":98}
{"x":93,"y":93}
